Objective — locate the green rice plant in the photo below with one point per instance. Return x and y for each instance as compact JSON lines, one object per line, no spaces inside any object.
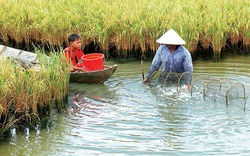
{"x":5,"y":91}
{"x":56,"y":79}
{"x":28,"y":95}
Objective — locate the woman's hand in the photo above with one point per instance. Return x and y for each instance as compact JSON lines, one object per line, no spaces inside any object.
{"x":186,"y":87}
{"x":145,"y":80}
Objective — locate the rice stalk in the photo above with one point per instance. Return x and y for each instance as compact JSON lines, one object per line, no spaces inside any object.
{"x":129,"y":24}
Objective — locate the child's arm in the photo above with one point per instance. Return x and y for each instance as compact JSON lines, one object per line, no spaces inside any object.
{"x":65,"y":50}
{"x":74,"y":68}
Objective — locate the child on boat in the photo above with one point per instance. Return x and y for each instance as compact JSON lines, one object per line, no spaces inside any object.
{"x":73,"y":52}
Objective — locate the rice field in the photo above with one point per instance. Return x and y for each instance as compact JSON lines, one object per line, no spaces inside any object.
{"x":128,"y":25}
{"x":27,"y":96}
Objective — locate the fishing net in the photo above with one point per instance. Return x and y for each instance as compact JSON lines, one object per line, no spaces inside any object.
{"x":211,"y":88}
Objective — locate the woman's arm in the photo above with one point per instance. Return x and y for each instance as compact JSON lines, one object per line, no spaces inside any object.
{"x":156,"y":63}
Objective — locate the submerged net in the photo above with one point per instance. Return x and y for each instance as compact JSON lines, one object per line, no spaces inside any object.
{"x":211,"y":88}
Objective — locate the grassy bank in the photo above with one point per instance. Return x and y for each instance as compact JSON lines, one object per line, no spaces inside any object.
{"x":27,"y":96}
{"x":120,"y":28}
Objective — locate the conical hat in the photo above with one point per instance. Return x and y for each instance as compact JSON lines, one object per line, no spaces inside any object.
{"x":171,"y":37}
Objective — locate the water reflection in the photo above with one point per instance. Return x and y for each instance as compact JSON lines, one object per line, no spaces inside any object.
{"x":34,"y":141}
{"x":94,"y":91}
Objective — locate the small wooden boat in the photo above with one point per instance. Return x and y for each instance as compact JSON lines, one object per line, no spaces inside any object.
{"x":26,"y":57}
{"x":99,"y":76}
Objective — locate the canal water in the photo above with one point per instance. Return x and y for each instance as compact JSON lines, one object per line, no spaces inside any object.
{"x":126,"y":117}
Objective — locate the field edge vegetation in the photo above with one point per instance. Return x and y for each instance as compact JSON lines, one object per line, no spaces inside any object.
{"x":127,"y":28}
{"x":27,"y":96}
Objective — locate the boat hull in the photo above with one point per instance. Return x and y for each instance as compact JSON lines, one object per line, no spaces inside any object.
{"x":94,"y":76}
